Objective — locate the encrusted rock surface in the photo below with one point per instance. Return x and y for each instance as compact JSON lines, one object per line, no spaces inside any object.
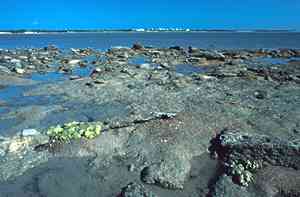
{"x":170,"y":173}
{"x":136,"y":190}
{"x":236,"y":146}
{"x":160,"y":109}
{"x":272,"y":163}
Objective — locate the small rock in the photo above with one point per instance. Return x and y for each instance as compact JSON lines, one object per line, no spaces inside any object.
{"x":75,"y":51}
{"x":19,"y":70}
{"x":18,"y":65}
{"x":6,"y":57}
{"x":164,"y":115}
{"x":235,"y":62}
{"x":200,"y":60}
{"x":203,"y":77}
{"x":15,"y":61}
{"x":30,"y":132}
{"x":97,"y":70}
{"x":82,"y":64}
{"x":170,"y":174}
{"x":131,"y":168}
{"x":73,"y":62}
{"x":97,"y":81}
{"x":296,"y":52}
{"x":136,"y":190}
{"x":31,"y":67}
{"x":74,"y":77}
{"x":63,"y":69}
{"x":145,"y":66}
{"x":210,"y":55}
{"x":22,"y":57}
{"x":193,"y":49}
{"x":178,"y":48}
{"x":259,"y":94}
{"x":137,"y":46}
{"x":165,"y":65}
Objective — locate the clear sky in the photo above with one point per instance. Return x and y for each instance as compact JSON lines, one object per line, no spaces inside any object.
{"x":87,"y":14}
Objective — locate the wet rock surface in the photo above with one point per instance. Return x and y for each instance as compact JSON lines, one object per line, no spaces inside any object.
{"x":136,"y":190}
{"x":170,"y":173}
{"x":261,"y":163}
{"x":162,"y":111}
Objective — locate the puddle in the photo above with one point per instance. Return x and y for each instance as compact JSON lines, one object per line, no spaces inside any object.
{"x":13,"y":96}
{"x":11,"y":92}
{"x":48,"y":77}
{"x":188,"y":69}
{"x":35,"y":100}
{"x":88,"y":112}
{"x":7,"y":123}
{"x":83,"y":71}
{"x":144,"y":62}
{"x":3,"y":110}
{"x":86,"y":71}
{"x":274,"y":61}
{"x":11,"y":114}
{"x":10,"y":95}
{"x":89,"y":58}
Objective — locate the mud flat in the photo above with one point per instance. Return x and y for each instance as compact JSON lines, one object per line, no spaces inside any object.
{"x":145,"y":121}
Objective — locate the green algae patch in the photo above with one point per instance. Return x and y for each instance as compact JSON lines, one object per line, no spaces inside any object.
{"x":75,"y":131}
{"x":243,"y":172}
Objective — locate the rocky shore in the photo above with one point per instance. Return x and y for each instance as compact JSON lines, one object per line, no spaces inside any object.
{"x":149,"y":122}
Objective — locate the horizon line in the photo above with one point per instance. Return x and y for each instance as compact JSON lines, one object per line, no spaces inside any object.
{"x":144,"y":29}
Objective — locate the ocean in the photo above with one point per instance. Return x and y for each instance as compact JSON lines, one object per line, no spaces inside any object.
{"x":103,"y":41}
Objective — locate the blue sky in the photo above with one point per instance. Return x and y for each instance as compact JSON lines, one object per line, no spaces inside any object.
{"x":86,"y":14}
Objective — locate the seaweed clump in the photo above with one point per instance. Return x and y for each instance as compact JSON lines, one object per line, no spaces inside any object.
{"x":243,"y":154}
{"x":243,"y":172}
{"x":74,"y":131}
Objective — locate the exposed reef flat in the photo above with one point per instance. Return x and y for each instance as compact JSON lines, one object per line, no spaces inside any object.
{"x":152,"y":122}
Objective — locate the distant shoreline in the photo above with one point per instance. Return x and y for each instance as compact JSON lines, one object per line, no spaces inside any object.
{"x":33,"y":32}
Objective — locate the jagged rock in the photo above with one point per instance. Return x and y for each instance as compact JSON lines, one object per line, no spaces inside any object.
{"x":226,"y":188}
{"x":170,"y":173}
{"x":136,"y":190}
{"x":19,"y":70}
{"x":243,"y":155}
{"x":73,"y":62}
{"x":18,"y":155}
{"x":235,"y":146}
{"x":193,"y":50}
{"x":285,"y":53}
{"x":200,"y":60}
{"x":137,"y":46}
{"x":209,"y":55}
{"x":178,"y":48}
{"x":278,"y":181}
{"x":296,"y":52}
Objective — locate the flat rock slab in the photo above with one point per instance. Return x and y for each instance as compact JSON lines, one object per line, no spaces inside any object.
{"x":248,"y":147}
